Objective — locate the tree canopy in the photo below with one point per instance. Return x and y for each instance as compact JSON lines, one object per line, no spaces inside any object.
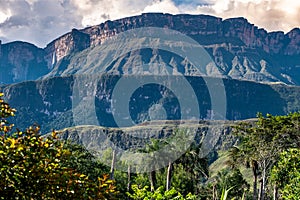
{"x":262,"y":143}
{"x":35,"y":167}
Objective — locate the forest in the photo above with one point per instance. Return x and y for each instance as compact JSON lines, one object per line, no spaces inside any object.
{"x":263,"y":164}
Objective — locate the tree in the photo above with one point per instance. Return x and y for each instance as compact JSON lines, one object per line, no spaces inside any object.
{"x":84,"y":161}
{"x":35,"y":167}
{"x":195,"y":166}
{"x":152,"y":147}
{"x":262,"y":142}
{"x":244,"y":155}
{"x":5,"y":112}
{"x":180,"y":141}
{"x":286,"y":174}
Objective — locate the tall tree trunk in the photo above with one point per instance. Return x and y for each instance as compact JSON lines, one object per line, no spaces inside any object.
{"x":275,"y":192}
{"x":254,"y":187}
{"x":152,"y":178}
{"x":260,"y":194}
{"x":112,"y":168}
{"x":264,"y":174}
{"x":214,"y":193}
{"x":169,"y":176}
{"x":128,"y":178}
{"x":254,"y":171}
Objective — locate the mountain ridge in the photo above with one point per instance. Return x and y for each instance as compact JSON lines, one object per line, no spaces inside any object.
{"x":233,"y":43}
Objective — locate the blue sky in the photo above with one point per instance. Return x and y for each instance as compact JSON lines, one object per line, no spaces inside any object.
{"x":41,"y":21}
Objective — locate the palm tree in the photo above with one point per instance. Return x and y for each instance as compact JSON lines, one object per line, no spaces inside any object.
{"x":237,"y":155}
{"x":194,"y":164}
{"x":191,"y":160}
{"x":150,"y":148}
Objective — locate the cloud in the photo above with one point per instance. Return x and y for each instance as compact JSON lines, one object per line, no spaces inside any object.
{"x":40,"y":21}
{"x":272,"y":15}
{"x":37,"y":21}
{"x":165,"y":6}
{"x":4,"y":15}
{"x":96,"y":11}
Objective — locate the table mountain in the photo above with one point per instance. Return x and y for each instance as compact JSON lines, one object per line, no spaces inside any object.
{"x":239,"y":49}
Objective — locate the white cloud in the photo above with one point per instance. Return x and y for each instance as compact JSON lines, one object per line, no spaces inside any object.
{"x":4,"y":15}
{"x":164,"y":6}
{"x":272,"y":15}
{"x":40,"y":21}
{"x":94,"y":11}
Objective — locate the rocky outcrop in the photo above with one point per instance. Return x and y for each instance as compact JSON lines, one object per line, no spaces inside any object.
{"x":239,"y":49}
{"x":72,"y":42}
{"x":293,"y":47}
{"x":99,"y":139}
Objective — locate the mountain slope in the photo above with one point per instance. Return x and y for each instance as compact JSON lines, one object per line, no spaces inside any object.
{"x":50,"y":104}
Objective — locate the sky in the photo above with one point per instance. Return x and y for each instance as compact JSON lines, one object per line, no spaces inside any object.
{"x":41,"y":21}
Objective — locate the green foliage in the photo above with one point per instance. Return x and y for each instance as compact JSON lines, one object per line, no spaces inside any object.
{"x":286,"y":174}
{"x":33,"y":167}
{"x":231,"y":179}
{"x":181,"y":180}
{"x":158,"y":194}
{"x":5,"y":112}
{"x":227,"y":184}
{"x":279,"y":132}
{"x":189,"y":170}
{"x":84,"y":161}
{"x":225,"y":193}
{"x":262,"y":143}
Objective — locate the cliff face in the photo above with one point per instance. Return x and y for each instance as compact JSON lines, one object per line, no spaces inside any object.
{"x":72,"y":42}
{"x":20,"y":61}
{"x":240,"y":49}
{"x":204,"y":25}
{"x":293,"y":47}
{"x":186,"y":24}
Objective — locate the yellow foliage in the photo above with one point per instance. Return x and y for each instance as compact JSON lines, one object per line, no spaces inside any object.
{"x":32,"y":167}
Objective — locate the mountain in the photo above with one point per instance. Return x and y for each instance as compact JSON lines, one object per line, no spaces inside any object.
{"x":240,"y":50}
{"x":102,"y":82}
{"x":21,"y":61}
{"x":51,"y":102}
{"x":236,"y":52}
